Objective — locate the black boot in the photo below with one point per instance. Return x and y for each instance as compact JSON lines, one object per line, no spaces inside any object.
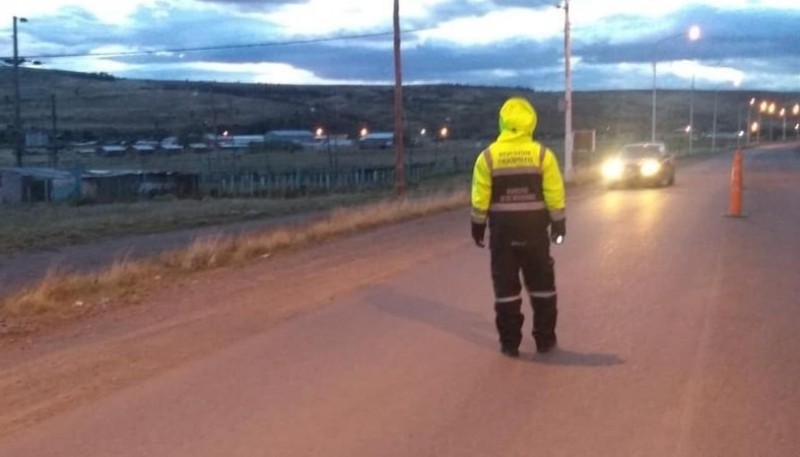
{"x":545,"y":314}
{"x":508,"y":320}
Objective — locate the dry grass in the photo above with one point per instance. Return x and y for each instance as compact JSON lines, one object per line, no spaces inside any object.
{"x":64,"y":295}
{"x":29,"y":227}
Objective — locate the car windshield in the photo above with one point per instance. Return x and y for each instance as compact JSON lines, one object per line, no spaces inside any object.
{"x":639,"y":151}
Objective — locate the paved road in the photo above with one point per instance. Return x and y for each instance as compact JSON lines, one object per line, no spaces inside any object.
{"x":678,"y":331}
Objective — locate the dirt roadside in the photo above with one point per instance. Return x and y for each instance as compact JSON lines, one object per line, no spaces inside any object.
{"x":124,"y":345}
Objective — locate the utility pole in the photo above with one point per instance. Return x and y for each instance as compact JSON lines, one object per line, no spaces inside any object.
{"x":398,"y":106}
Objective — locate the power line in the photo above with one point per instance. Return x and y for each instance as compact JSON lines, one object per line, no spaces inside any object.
{"x":553,"y":3}
{"x":225,"y":47}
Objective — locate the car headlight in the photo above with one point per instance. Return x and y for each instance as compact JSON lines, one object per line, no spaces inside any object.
{"x":650,"y":167}
{"x":613,"y":169}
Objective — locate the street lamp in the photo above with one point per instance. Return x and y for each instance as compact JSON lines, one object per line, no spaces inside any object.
{"x":783,"y":115}
{"x":691,"y":117}
{"x":19,"y":139}
{"x":771,"y":111}
{"x":568,"y":140}
{"x":693,"y":34}
{"x":762,"y":108}
{"x":796,"y":112}
{"x":736,"y":83}
{"x":749,"y":119}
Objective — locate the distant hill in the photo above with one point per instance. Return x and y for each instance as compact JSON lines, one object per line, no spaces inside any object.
{"x":91,"y":106}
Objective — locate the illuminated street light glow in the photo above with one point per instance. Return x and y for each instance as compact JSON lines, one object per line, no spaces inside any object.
{"x":754,"y":127}
{"x":444,"y":132}
{"x":763,"y":106}
{"x":694,"y":33}
{"x":423,"y":132}
{"x":796,"y":109}
{"x":771,"y":108}
{"x":320,"y":131}
{"x":364,"y":132}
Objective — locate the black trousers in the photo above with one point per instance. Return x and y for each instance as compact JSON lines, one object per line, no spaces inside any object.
{"x":536,"y":266}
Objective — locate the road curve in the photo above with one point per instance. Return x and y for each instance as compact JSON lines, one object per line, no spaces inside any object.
{"x":678,"y":337}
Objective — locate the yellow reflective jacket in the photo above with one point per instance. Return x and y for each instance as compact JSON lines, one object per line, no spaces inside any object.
{"x":516,"y":182}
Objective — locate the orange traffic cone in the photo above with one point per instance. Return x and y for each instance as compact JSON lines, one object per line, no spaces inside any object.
{"x":735,"y":203}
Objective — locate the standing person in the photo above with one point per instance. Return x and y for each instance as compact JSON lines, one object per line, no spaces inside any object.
{"x":517,"y":186}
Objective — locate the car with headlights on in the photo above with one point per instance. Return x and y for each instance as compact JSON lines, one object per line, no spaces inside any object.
{"x":640,"y":164}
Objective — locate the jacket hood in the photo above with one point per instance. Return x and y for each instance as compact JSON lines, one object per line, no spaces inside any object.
{"x":517,"y":119}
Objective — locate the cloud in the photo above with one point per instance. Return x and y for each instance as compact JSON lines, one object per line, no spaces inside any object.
{"x":496,"y":26}
{"x":504,"y":42}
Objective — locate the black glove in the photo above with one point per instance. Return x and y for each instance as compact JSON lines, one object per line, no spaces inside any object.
{"x":478,"y":230}
{"x":558,"y":230}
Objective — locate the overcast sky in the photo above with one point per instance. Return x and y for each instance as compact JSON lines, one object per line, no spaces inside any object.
{"x":755,"y":43}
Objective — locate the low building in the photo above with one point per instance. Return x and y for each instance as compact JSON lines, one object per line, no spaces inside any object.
{"x":170,"y":148}
{"x":144,"y":147}
{"x":199,"y":147}
{"x":376,"y":140}
{"x":114,"y":185}
{"x":112,"y":150}
{"x":239,"y":141}
{"x":331,"y":142}
{"x":32,"y":184}
{"x":302,"y":138}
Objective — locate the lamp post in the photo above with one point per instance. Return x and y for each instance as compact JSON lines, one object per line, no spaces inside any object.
{"x":736,"y":83}
{"x":568,"y":143}
{"x":796,"y":112}
{"x":749,"y":119}
{"x":771,"y":111}
{"x":693,"y":35}
{"x":783,"y":115}
{"x":19,"y":139}
{"x":714,"y":122}
{"x":691,"y":117}
{"x":762,"y":108}
{"x":399,"y":124}
{"x":568,"y":140}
